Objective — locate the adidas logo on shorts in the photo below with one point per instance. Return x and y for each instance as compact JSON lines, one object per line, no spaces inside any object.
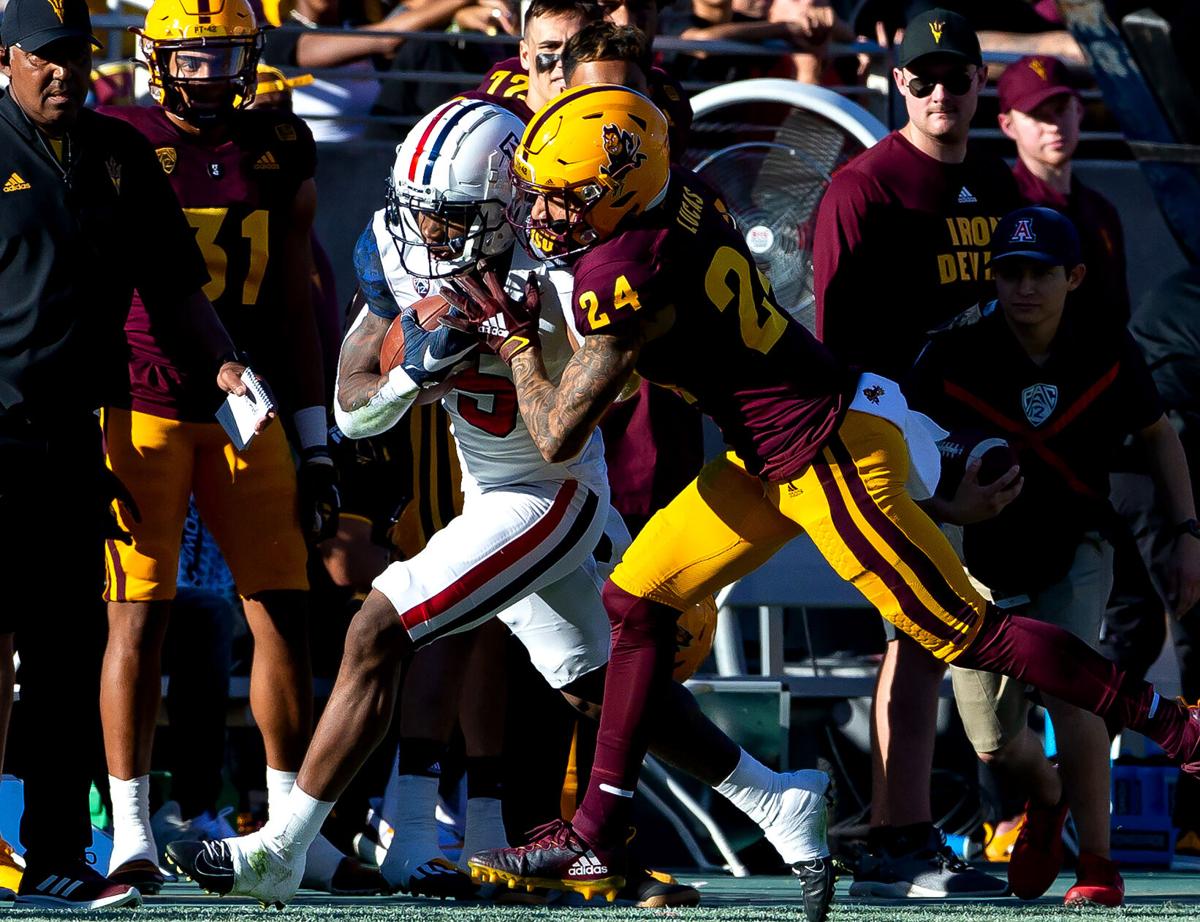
{"x":587,"y":864}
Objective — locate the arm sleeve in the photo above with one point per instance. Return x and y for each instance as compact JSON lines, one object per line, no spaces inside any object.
{"x":368,"y":267}
{"x":384,"y":410}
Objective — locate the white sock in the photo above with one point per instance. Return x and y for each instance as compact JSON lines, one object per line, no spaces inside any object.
{"x":295,"y":824}
{"x":409,"y":806}
{"x":322,"y":859}
{"x":279,"y":786}
{"x":790,"y":809}
{"x":132,"y":838}
{"x":485,"y":827}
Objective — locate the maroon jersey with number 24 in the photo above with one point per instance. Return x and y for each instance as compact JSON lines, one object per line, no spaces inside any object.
{"x":713,"y":330}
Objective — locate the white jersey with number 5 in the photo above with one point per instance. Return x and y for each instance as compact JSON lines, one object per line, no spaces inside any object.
{"x":494,"y":445}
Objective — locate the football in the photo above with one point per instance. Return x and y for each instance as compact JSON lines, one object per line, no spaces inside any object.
{"x":963,"y":446}
{"x":429,"y":312}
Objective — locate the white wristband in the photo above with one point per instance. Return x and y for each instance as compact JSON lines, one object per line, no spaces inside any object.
{"x":311,"y":429}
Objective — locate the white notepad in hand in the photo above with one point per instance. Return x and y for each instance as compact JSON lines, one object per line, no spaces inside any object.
{"x":240,"y":415}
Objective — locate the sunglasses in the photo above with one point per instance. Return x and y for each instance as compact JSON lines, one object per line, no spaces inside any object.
{"x":544,"y":63}
{"x":957,"y":84}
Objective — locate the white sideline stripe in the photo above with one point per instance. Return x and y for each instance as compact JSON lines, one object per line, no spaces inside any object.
{"x":619,"y":792}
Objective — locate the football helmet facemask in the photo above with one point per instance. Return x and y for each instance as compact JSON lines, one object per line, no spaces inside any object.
{"x":449,"y":188}
{"x":589,"y":159}
{"x":202,"y":56}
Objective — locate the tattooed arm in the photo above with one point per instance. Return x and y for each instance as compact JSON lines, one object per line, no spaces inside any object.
{"x":561,"y":418}
{"x":366,"y":402}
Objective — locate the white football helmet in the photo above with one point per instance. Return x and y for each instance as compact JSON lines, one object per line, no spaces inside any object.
{"x":449,"y":188}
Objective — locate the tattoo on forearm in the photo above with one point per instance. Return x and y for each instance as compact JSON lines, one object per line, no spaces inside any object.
{"x":359,"y":377}
{"x":560,"y":418}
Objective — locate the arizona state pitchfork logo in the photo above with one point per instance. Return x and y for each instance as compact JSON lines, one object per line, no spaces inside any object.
{"x":935,"y":28}
{"x":1038,"y":66}
{"x":57,"y":6}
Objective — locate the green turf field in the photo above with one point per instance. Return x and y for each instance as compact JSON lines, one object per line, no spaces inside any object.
{"x":760,"y":899}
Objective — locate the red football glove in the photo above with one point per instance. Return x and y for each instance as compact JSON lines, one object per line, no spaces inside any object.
{"x":506,"y":325}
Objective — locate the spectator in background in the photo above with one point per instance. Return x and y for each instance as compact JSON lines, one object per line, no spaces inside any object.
{"x":405,"y":101}
{"x":1009,"y":26}
{"x":803,"y":26}
{"x":1166,"y":324}
{"x":1041,"y":112}
{"x":1065,"y":392}
{"x":335,"y":107}
{"x":902,"y":245}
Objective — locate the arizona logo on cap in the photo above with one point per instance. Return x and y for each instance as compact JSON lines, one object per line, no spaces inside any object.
{"x":1038,"y":66}
{"x":57,"y":6}
{"x":935,"y":27}
{"x":1023,"y":232}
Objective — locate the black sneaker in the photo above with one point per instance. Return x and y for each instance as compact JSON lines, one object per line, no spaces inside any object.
{"x":73,"y":885}
{"x":816,"y":877}
{"x":930,"y":872}
{"x":557,"y":858}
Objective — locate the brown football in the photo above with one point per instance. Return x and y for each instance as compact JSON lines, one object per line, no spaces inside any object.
{"x":429,"y":311}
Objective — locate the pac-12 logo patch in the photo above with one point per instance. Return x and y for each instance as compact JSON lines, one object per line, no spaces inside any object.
{"x":621,"y":146}
{"x":1023,"y":232}
{"x":168,"y":157}
{"x":1038,"y":401}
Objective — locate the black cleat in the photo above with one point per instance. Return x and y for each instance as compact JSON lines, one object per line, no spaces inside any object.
{"x":816,"y":877}
{"x":208,"y":863}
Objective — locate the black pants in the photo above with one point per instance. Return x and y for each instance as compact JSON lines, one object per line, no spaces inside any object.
{"x":52,"y":570}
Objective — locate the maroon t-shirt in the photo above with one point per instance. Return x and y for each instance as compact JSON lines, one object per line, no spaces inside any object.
{"x":902,"y":248}
{"x":683,"y":275}
{"x":507,"y":83}
{"x":237,"y":195}
{"x":1105,"y":290}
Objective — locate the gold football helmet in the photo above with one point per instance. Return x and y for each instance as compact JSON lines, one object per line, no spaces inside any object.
{"x":202,"y":55}
{"x":588,"y":160}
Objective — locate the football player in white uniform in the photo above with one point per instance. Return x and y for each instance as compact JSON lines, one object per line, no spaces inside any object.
{"x":522,"y":550}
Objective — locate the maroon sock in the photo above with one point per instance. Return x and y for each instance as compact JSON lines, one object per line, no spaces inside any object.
{"x":1059,"y":663}
{"x":640,"y":665}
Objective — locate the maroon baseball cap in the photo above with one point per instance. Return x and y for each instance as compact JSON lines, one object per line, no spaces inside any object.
{"x":1032,"y":80}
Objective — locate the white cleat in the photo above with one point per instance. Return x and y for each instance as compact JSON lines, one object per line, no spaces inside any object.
{"x":240,"y":867}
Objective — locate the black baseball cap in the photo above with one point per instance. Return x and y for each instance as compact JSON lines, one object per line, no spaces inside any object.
{"x":33,"y":24}
{"x":1041,"y":234}
{"x":939,"y":31}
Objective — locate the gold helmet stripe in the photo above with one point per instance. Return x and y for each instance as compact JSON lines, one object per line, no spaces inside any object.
{"x":536,"y":125}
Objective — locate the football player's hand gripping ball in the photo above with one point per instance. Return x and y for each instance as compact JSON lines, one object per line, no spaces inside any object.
{"x":431,"y":356}
{"x":508,"y":326}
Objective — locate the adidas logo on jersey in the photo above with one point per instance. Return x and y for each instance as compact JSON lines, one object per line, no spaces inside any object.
{"x":16,"y":184}
{"x":965,"y":197}
{"x":267,"y":162}
{"x":586,"y":865}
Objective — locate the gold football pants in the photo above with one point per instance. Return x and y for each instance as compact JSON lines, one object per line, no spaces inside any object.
{"x":851,"y":501}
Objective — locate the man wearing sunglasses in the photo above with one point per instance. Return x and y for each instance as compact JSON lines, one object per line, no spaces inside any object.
{"x":902,"y":248}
